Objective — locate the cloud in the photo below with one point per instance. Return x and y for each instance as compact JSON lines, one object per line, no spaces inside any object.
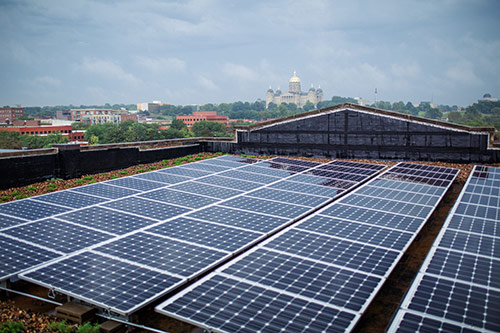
{"x":47,"y":81}
{"x":239,"y":72}
{"x":108,"y":69}
{"x":463,"y":73}
{"x":206,"y":83}
{"x":161,"y":64}
{"x":406,"y":70}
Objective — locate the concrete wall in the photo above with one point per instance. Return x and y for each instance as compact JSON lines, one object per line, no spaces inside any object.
{"x":71,"y":162}
{"x":364,"y":135}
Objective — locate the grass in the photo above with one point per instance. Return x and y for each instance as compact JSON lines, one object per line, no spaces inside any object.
{"x":88,"y":178}
{"x":30,"y":188}
{"x":123,"y":172}
{"x":11,"y":327}
{"x":80,"y":181}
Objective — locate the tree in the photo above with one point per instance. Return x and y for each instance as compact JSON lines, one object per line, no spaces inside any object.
{"x":433,"y":113}
{"x":10,"y":140}
{"x":178,"y":124}
{"x":308,"y":106}
{"x":208,"y":129}
{"x":455,"y":117}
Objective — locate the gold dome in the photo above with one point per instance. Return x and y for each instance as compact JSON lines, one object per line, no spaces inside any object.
{"x":294,"y":78}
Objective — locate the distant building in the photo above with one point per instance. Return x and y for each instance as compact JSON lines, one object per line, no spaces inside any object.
{"x":362,"y":101}
{"x":487,"y":98}
{"x":63,"y":114}
{"x":33,"y":127}
{"x":80,"y":114}
{"x":150,"y":107}
{"x":294,"y":94}
{"x":7,"y":115}
{"x":203,"y":115}
{"x":125,"y":117}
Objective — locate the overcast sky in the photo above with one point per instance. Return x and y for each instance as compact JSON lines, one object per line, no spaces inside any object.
{"x":202,"y":51}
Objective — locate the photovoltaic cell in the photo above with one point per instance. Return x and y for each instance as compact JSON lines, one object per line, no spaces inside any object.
{"x":105,"y":191}
{"x":30,"y":209}
{"x":457,"y":288}
{"x":205,"y":233}
{"x":135,"y":183}
{"x":266,"y":207}
{"x":111,"y":221}
{"x":255,"y":310}
{"x":207,"y":190}
{"x":17,"y":256}
{"x":182,"y":248}
{"x":179,"y":198}
{"x":256,"y":168}
{"x":289,"y":197}
{"x":238,"y":218}
{"x":105,"y":281}
{"x":393,"y":239}
{"x":57,"y":235}
{"x":334,"y":261}
{"x":162,"y":177}
{"x":336,"y":251}
{"x":253,"y":177}
{"x":206,"y":167}
{"x":168,"y":255}
{"x":305,"y":277}
{"x":70,"y":199}
{"x":230,"y":183}
{"x":324,"y":191}
{"x":9,"y":221}
{"x":147,"y":208}
{"x":187,"y":172}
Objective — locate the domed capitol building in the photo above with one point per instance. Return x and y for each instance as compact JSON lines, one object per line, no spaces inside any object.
{"x":294,"y":94}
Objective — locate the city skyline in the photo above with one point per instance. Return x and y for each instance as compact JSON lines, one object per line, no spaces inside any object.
{"x":198,"y":52}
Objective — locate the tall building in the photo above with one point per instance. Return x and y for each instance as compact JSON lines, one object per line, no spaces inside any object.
{"x":294,"y":94}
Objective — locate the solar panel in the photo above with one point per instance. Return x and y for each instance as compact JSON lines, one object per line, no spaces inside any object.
{"x":207,"y":190}
{"x":9,"y":221}
{"x":147,"y":208}
{"x":250,"y":176}
{"x":209,"y":234}
{"x":289,"y":197}
{"x":457,"y":287}
{"x":156,"y":252}
{"x":206,"y":167}
{"x":58,"y":235}
{"x":30,"y":209}
{"x":105,"y":191}
{"x":332,"y":263}
{"x":135,"y":183}
{"x":180,"y":230}
{"x":162,"y":177}
{"x":108,"y":220}
{"x":108,"y":282}
{"x":187,"y":172}
{"x":17,"y":256}
{"x":69,"y":199}
{"x":179,"y":198}
{"x":230,"y":183}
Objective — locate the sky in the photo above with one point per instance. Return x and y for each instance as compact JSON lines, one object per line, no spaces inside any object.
{"x":59,"y":52}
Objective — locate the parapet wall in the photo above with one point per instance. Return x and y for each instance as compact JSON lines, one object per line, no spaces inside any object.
{"x":69,"y":161}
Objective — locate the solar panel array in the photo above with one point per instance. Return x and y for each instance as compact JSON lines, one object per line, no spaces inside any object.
{"x":458,"y":286}
{"x":321,"y":273}
{"x":122,"y":243}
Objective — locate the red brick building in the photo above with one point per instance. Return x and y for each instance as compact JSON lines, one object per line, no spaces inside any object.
{"x":125,"y":117}
{"x":7,"y":115}
{"x":66,"y":131}
{"x":203,"y":115}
